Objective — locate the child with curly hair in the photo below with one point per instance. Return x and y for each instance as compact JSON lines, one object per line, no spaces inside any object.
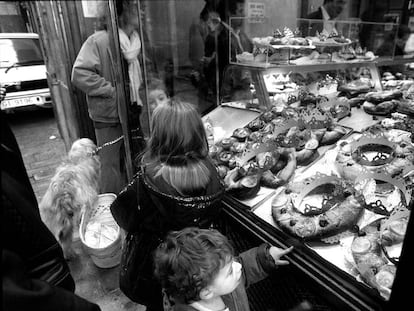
{"x":198,"y":270}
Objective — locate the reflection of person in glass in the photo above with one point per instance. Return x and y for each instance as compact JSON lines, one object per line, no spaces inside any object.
{"x":93,"y":73}
{"x":199,"y":30}
{"x":387,"y":48}
{"x":233,"y":32}
{"x":210,"y":58}
{"x":328,"y":12}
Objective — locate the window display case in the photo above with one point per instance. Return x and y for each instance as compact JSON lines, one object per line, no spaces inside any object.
{"x":308,"y":42}
{"x":291,"y":102}
{"x":322,"y":157}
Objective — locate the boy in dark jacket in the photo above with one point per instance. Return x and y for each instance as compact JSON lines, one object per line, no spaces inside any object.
{"x":199,"y":272}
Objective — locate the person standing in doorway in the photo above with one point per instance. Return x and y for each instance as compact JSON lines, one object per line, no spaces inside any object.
{"x":93,"y":73}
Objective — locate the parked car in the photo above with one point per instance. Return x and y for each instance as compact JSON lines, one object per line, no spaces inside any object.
{"x":23,"y":72}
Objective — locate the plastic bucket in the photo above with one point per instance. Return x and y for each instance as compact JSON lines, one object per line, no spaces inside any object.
{"x":104,"y":249}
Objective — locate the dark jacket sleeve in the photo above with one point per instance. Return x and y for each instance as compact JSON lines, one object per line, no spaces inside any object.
{"x":257,"y":264}
{"x":125,"y":209}
{"x":20,"y":292}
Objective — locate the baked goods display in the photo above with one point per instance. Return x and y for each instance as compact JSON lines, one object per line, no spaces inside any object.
{"x":372,"y":265}
{"x":271,"y":147}
{"x":333,"y":39}
{"x":279,"y":83}
{"x":397,"y":121}
{"x":376,"y":250}
{"x":395,"y":81}
{"x":318,"y":207}
{"x":390,"y":153}
{"x":328,"y":197}
{"x":356,"y":54}
{"x":284,"y":39}
{"x":355,"y":87}
{"x":332,"y":208}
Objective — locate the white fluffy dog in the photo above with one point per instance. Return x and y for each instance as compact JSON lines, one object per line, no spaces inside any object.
{"x":73,"y":190}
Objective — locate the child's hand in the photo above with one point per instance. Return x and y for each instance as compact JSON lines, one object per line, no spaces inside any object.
{"x":277,"y":253}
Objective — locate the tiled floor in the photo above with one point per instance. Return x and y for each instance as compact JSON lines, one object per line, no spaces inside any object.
{"x":43,"y":150}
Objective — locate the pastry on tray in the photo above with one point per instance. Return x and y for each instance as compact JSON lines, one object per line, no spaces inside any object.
{"x":317,"y":209}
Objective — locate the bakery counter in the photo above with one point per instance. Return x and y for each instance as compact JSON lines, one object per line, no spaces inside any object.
{"x":328,"y":263}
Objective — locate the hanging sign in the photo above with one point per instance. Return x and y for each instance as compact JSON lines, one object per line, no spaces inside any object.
{"x":255,"y":11}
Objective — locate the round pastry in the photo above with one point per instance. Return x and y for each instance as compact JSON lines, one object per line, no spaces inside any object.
{"x":266,"y":160}
{"x":267,"y":116}
{"x":275,"y":180}
{"x":226,"y":143}
{"x":324,"y":223}
{"x":267,"y":129}
{"x":369,"y":259}
{"x":238,"y":147}
{"x":349,"y":166}
{"x":277,"y":110}
{"x":290,"y":113}
{"x":255,"y":125}
{"x":245,"y":188}
{"x":392,"y":238}
{"x":241,"y":133}
{"x":385,"y":276}
{"x":224,"y":157}
{"x":267,"y":138}
{"x":255,"y":136}
{"x":395,"y":232}
{"x":232,"y":162}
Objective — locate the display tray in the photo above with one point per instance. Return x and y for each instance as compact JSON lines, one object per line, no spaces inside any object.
{"x":331,"y":44}
{"x":293,"y":47}
{"x":309,"y":46}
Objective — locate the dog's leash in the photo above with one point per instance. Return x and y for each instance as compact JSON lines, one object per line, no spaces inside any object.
{"x":109,"y":143}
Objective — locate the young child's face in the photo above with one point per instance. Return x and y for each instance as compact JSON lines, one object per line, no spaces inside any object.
{"x":157,"y":97}
{"x":227,"y":279}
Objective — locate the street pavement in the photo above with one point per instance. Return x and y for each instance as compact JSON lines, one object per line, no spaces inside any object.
{"x":43,"y":150}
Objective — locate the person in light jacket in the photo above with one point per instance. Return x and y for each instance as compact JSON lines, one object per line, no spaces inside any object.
{"x":94,"y":73}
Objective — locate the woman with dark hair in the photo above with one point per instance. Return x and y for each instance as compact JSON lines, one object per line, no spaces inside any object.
{"x":177,"y":186}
